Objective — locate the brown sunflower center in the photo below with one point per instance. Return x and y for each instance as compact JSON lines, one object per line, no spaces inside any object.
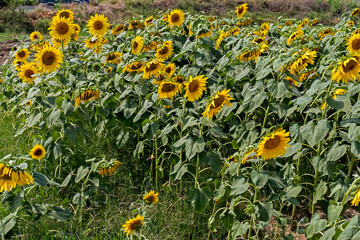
{"x":135,"y":45}
{"x":168,"y":70}
{"x":164,"y":50}
{"x":247,"y":55}
{"x":152,"y":67}
{"x":175,"y":17}
{"x":180,"y":79}
{"x":87,"y":95}
{"x":272,"y":142}
{"x":135,"y":66}
{"x":356,"y":44}
{"x":219,"y":101}
{"x":48,"y":58}
{"x":5,"y":178}
{"x":28,"y":73}
{"x":136,"y":224}
{"x":62,"y":28}
{"x":168,"y":87}
{"x":350,"y":65}
{"x":240,"y":11}
{"x":38,"y":152}
{"x":98,"y":25}
{"x":21,"y":54}
{"x":111,"y":57}
{"x":161,"y":77}
{"x":64,"y":14}
{"x":35,"y":36}
{"x":150,"y":198}
{"x":193,"y":86}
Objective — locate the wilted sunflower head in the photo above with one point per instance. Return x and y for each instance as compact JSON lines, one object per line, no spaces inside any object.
{"x":98,"y":25}
{"x":176,"y":18}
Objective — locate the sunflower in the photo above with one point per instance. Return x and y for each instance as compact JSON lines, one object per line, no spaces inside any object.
{"x":29,"y":103}
{"x":65,"y":13}
{"x":251,"y":55}
{"x":325,"y":33}
{"x":118,"y":29}
{"x":245,"y":23}
{"x":314,"y":22}
{"x":135,"y":24}
{"x":151,"y":197}
{"x":264,"y":29}
{"x":292,"y":82}
{"x":159,"y":78}
{"x":34,"y":36}
{"x":169,"y":89}
{"x":114,"y":58}
{"x":40,"y":45}
{"x":18,"y":64}
{"x":58,"y":43}
{"x":356,"y":200}
{"x":22,"y":54}
{"x":133,"y":224}
{"x":10,"y":177}
{"x":134,"y":67}
{"x":250,"y":154}
{"x":217,"y":103}
{"x":149,"y":47}
{"x":165,"y":50}
{"x":149,"y":21}
{"x":293,"y":36}
{"x":350,"y":24}
{"x":27,"y":71}
{"x":180,"y":79}
{"x":220,"y":39}
{"x":307,"y":74}
{"x":38,"y":152}
{"x":152,"y":68}
{"x":304,"y":22}
{"x":87,"y":95}
{"x":98,"y":25}
{"x":109,"y":170}
{"x":274,"y":144}
{"x":95,"y":43}
{"x":76,"y":33}
{"x":232,"y":32}
{"x":288,"y":23}
{"x":49,"y":58}
{"x":241,"y":10}
{"x":302,"y":61}
{"x":347,"y":70}
{"x":353,"y":44}
{"x":176,"y":18}
{"x":195,"y":87}
{"x":137,"y":45}
{"x":170,"y":69}
{"x":355,"y":12}
{"x":61,"y":29}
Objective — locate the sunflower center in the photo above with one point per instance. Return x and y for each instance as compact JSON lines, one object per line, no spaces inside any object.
{"x":152,"y":67}
{"x":135,"y":66}
{"x":135,"y":45}
{"x":38,"y":152}
{"x":98,"y":25}
{"x":218,"y":101}
{"x":272,"y":142}
{"x":35,"y":36}
{"x":150,"y":199}
{"x":62,"y":28}
{"x":86,"y":95}
{"x":356,"y":44}
{"x":111,"y":57}
{"x":5,"y":178}
{"x":193,"y":86}
{"x":28,"y":73}
{"x":240,"y":11}
{"x":180,"y":79}
{"x":21,"y":54}
{"x":168,"y":87}
{"x":175,"y":17}
{"x":168,"y":70}
{"x":135,"y":225}
{"x":48,"y":58}
{"x":350,"y":65}
{"x":247,"y":55}
{"x":164,"y":50}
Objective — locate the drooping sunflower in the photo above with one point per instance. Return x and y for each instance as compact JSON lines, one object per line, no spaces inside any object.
{"x":220,"y":39}
{"x":250,"y":154}
{"x":195,"y":87}
{"x":133,"y":224}
{"x":355,"y":12}
{"x":118,"y":29}
{"x":307,"y":57}
{"x":347,"y":70}
{"x":22,"y":54}
{"x":152,"y":68}
{"x":176,"y":18}
{"x":38,"y":152}
{"x":135,"y":24}
{"x":303,"y":23}
{"x":137,"y":45}
{"x":110,"y":169}
{"x":356,"y":200}
{"x":151,"y":197}
{"x":169,"y":89}
{"x":98,"y":25}
{"x":29,"y":103}
{"x":76,"y":33}
{"x":34,"y":36}
{"x":217,"y":103}
{"x":49,"y":58}
{"x":170,"y":69}
{"x":114,"y":58}
{"x":180,"y":79}
{"x":134,"y":67}
{"x":274,"y":144}
{"x":293,"y":36}
{"x":314,"y":22}
{"x":62,"y":29}
{"x":149,"y":21}
{"x":241,"y":10}
{"x":28,"y":71}
{"x":94,"y":43}
{"x":292,"y":82}
{"x":251,"y":55}
{"x":165,"y":51}
{"x":87,"y":95}
{"x":65,"y":13}
{"x":325,"y":33}
{"x":159,"y":78}
{"x":150,"y":46}
{"x":353,"y":44}
{"x":18,"y":64}
{"x":308,"y":74}
{"x":10,"y":177}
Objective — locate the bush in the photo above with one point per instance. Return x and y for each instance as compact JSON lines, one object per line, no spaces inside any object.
{"x":14,"y":21}
{"x":42,"y":25}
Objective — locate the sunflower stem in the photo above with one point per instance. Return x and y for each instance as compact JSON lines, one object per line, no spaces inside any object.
{"x":266,"y":116}
{"x":352,"y":161}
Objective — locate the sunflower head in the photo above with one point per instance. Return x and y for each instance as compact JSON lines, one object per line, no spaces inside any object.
{"x":152,"y":68}
{"x":195,"y":87}
{"x":151,"y":197}
{"x":95,"y":43}
{"x":135,"y":24}
{"x":22,"y":54}
{"x":87,"y":95}
{"x":217,"y":103}
{"x":10,"y":177}
{"x":137,"y":45}
{"x":118,"y":29}
{"x":133,"y":224}
{"x":49,"y":58}
{"x":241,"y":10}
{"x":170,"y":69}
{"x":36,"y":36}
{"x":109,"y":168}
{"x":169,"y":89}
{"x":251,"y":153}
{"x":353,"y":44}
{"x":149,"y":21}
{"x":38,"y":152}
{"x":304,"y":58}
{"x":98,"y":25}
{"x":165,"y":51}
{"x":28,"y":71}
{"x":65,"y":13}
{"x":114,"y":57}
{"x":176,"y":18}
{"x":347,"y":70}
{"x":62,"y":29}
{"x":18,"y":64}
{"x":274,"y":144}
{"x":355,"y":12}
{"x":134,"y":67}
{"x":180,"y":79}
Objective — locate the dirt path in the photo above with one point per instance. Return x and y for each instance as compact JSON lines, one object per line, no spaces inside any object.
{"x":5,"y":48}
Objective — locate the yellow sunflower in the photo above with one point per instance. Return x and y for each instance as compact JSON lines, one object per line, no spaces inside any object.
{"x":195,"y":87}
{"x":355,"y":12}
{"x":180,"y":79}
{"x":314,"y":22}
{"x":65,"y":13}
{"x":307,"y":57}
{"x":29,"y":103}
{"x":151,"y":197}
{"x":325,"y":33}
{"x":134,"y":67}
{"x":241,"y":10}
{"x":288,"y":23}
{"x":353,"y":44}
{"x":176,"y":18}
{"x":87,"y":95}
{"x":293,"y":36}
{"x":149,"y":47}
{"x":36,"y":36}
{"x":337,"y":92}
{"x":95,"y":43}
{"x":61,"y":29}
{"x":220,"y":39}
{"x":274,"y":144}
{"x":49,"y":58}
{"x":303,"y":23}
{"x":152,"y":68}
{"x":22,"y":54}
{"x":169,"y":89}
{"x":76,"y":33}
{"x":98,"y":25}
{"x":159,"y":78}
{"x":149,"y":21}
{"x":27,"y":71}
{"x":18,"y":64}
{"x":250,"y":154}
{"x":137,"y":45}
{"x":118,"y":29}
{"x":114,"y":58}
{"x":307,"y":74}
{"x":347,"y":70}
{"x":38,"y":152}
{"x":10,"y":177}
{"x":58,"y":43}
{"x":109,"y":170}
{"x":292,"y":82}
{"x":252,"y":55}
{"x":165,"y":51}
{"x":356,"y":200}
{"x":170,"y":69}
{"x":135,"y":24}
{"x":217,"y":103}
{"x":133,"y":224}
{"x":264,"y":29}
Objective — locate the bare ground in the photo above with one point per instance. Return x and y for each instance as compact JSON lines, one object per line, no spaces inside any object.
{"x":5,"y":48}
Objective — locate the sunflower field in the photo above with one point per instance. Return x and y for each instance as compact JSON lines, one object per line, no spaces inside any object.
{"x":252,"y":131}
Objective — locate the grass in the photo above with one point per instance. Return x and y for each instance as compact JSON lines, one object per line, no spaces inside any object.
{"x":10,"y":36}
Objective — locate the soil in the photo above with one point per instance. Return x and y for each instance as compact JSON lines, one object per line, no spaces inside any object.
{"x":5,"y":48}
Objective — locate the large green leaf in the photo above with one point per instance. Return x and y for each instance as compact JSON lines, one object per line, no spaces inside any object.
{"x":199,"y":198}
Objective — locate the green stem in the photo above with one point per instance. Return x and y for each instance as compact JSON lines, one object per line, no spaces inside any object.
{"x":349,"y":191}
{"x":266,"y":116}
{"x":353,"y":160}
{"x":315,"y":185}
